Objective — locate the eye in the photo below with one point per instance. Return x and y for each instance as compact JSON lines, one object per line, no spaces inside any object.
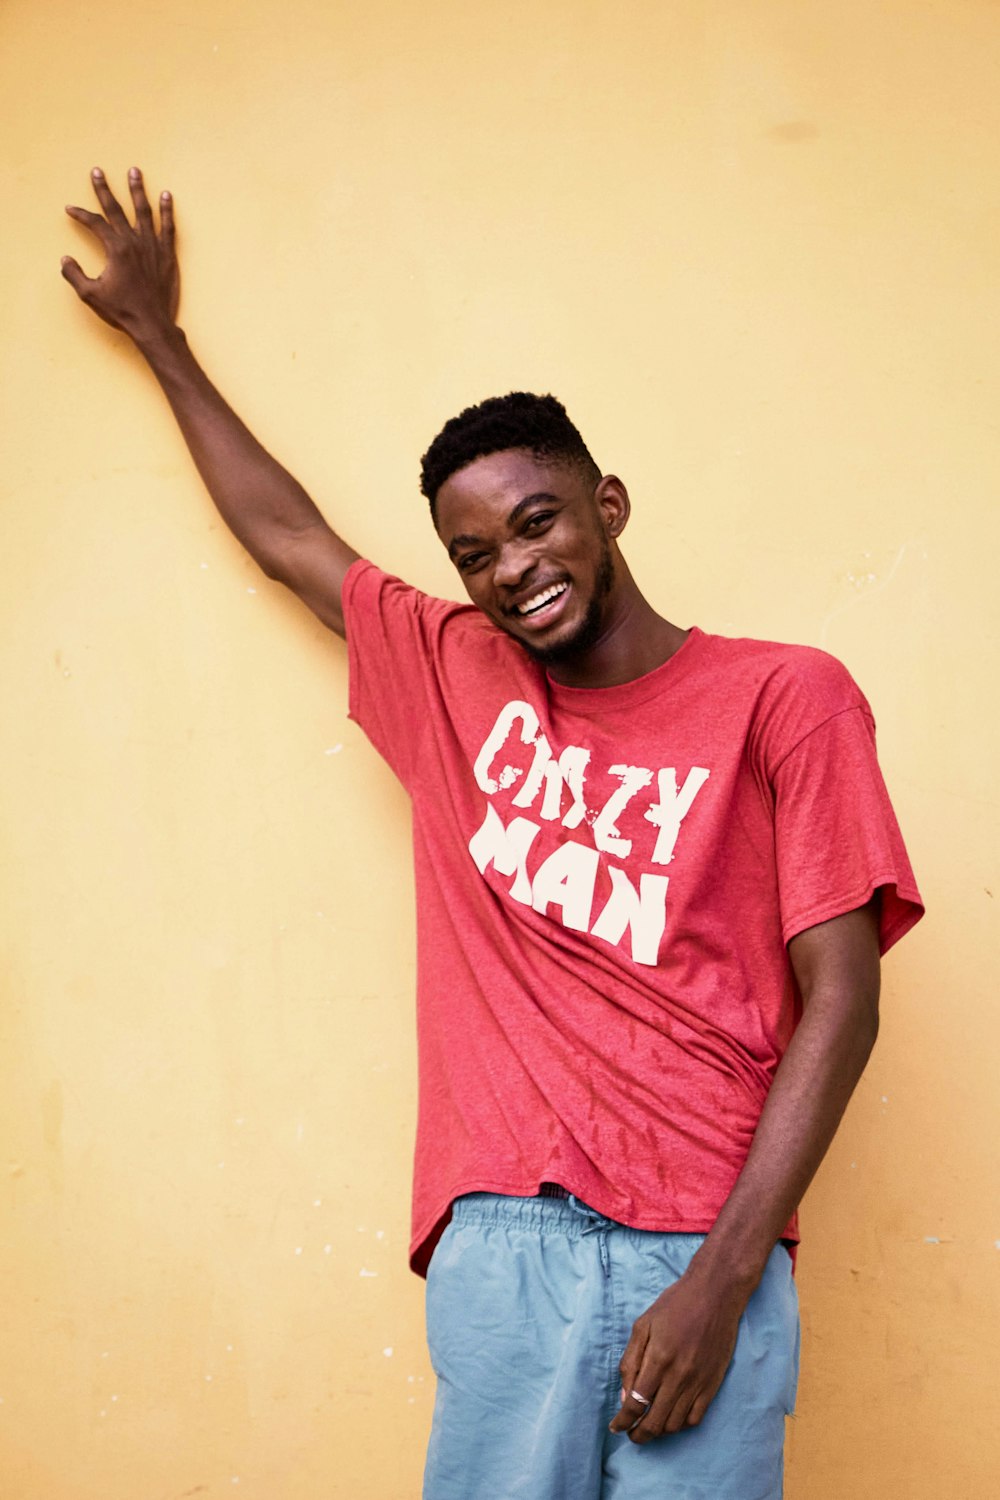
{"x":538,"y":520}
{"x":470,"y":562}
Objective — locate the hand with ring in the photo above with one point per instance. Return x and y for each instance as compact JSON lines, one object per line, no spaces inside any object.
{"x":677,"y":1356}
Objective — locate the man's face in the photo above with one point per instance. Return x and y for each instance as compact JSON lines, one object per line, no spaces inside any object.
{"x":531,"y":542}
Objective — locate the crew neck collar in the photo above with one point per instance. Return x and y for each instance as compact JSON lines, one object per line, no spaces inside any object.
{"x":638,"y":689}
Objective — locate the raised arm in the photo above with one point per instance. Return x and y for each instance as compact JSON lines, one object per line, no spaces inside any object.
{"x":261,"y":503}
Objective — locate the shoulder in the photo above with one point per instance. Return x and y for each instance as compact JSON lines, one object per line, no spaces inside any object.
{"x":370,"y":591}
{"x":778,"y":670}
{"x":793,"y":689}
{"x":381,"y":607}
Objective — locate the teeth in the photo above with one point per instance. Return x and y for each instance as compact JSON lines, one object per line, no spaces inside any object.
{"x":542,"y":598}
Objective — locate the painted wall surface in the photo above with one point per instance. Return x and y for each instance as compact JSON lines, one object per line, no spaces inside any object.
{"x":754,"y":249}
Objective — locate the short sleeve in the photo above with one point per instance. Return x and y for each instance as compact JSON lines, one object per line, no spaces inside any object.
{"x":837,"y":840}
{"x":392,"y":631}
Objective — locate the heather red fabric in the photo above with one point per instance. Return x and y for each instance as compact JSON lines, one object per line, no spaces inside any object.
{"x":606,"y":880}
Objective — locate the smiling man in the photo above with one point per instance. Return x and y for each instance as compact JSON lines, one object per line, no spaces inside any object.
{"x":655,"y":869}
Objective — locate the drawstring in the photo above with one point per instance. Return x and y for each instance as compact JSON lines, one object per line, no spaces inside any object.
{"x":595,"y":1225}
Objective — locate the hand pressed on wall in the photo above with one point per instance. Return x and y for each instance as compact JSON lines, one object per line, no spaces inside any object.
{"x":138,"y":290}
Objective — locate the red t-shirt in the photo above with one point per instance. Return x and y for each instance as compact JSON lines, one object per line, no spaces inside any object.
{"x":606,"y":880}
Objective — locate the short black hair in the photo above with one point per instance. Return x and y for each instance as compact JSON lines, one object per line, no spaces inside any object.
{"x":517,"y":420}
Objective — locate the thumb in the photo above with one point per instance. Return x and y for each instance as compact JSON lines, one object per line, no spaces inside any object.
{"x":73,"y":273}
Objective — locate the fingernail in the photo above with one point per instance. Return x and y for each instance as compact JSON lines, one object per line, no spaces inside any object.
{"x":165,"y":196}
{"x":97,"y":172}
{"x":133,"y":172}
{"x":621,"y":1395}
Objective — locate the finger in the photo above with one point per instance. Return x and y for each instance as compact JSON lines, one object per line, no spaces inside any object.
{"x":143,"y":212}
{"x":667,"y":1413}
{"x":632,"y":1407}
{"x":698,"y":1409}
{"x":113,"y":210}
{"x":631,"y":1360}
{"x":681,"y":1414}
{"x":90,"y":221}
{"x":81,"y":284}
{"x":167,"y":220}
{"x":635,"y":1404}
{"x":666,"y":1389}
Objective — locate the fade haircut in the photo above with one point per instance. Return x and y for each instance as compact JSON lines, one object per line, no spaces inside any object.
{"x":518,"y":420}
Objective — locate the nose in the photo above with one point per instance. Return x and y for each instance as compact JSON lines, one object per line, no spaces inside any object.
{"x":512,"y":566}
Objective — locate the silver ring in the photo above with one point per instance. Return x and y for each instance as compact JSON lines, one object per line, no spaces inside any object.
{"x":635,"y":1396}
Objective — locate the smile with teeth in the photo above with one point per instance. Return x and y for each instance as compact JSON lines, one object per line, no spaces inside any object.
{"x":540,"y":600}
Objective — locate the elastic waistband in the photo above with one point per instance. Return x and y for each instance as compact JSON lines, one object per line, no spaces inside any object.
{"x":568,"y":1216}
{"x":564,"y":1215}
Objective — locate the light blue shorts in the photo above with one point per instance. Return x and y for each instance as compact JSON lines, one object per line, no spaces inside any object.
{"x":530,"y":1303}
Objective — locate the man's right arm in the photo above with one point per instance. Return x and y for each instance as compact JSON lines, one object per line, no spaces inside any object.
{"x":262,"y":504}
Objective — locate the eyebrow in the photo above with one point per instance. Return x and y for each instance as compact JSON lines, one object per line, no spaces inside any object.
{"x":470,"y":539}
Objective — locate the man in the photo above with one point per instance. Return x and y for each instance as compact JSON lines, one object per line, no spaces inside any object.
{"x":655,"y":869}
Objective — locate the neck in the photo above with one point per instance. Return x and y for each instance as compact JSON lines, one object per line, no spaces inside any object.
{"x":634,"y":641}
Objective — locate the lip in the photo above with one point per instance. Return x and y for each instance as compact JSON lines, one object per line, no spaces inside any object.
{"x":548,"y":613}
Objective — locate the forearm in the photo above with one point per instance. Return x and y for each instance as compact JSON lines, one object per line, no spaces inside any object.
{"x":261,"y":503}
{"x":268,"y":511}
{"x":811,"y":1089}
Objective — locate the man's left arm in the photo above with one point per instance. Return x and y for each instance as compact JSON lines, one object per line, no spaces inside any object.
{"x":681,"y":1346}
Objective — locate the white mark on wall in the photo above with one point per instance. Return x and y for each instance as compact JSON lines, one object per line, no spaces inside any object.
{"x":298,"y":1249}
{"x":317,"y":1202}
{"x":380,"y":1234}
{"x":865,"y":590}
{"x":364,"y":1272}
{"x":931,"y":1239}
{"x":327,"y":1249}
{"x":388,"y":1351}
{"x":251,"y":591}
{"x":333,"y":750}
{"x":203,"y":565}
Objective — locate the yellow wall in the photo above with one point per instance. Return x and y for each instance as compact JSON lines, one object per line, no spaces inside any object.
{"x":754,"y":248}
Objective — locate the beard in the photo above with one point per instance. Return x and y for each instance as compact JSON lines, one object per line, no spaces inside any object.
{"x":588,"y":632}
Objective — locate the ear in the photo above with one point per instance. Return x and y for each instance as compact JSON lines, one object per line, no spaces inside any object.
{"x":611,"y":498}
